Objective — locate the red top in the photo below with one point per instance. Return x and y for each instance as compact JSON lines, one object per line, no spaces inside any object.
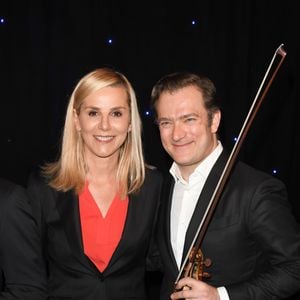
{"x":101,"y":235}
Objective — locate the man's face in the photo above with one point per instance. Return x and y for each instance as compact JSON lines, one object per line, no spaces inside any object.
{"x":185,"y":131}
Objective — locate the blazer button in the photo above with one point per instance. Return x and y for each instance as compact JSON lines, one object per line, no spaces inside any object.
{"x":101,"y":277}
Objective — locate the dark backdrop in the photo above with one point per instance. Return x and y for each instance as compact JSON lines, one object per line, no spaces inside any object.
{"x":46,"y":46}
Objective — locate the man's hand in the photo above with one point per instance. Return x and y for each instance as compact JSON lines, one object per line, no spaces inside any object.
{"x":191,"y":288}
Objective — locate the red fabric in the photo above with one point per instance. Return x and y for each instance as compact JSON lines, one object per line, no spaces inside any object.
{"x":101,"y":235}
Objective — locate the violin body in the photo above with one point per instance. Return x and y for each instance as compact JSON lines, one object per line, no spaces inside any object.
{"x":196,"y":266}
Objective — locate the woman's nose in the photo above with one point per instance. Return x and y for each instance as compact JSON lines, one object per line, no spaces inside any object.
{"x":104,"y":123}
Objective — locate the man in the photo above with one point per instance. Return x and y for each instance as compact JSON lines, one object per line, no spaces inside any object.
{"x":22,"y":273}
{"x":252,"y":240}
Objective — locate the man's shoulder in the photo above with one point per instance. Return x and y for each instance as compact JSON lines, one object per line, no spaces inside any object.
{"x":247,"y":175}
{"x":252,"y":174}
{"x":12,"y":200}
{"x":153,"y":172}
{"x":8,"y":187}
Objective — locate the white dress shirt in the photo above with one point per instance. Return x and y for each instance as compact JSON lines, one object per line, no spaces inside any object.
{"x":185,"y":197}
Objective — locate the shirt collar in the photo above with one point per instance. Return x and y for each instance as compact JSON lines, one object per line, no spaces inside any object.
{"x":202,"y":169}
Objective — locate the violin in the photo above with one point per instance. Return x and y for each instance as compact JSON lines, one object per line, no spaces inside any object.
{"x":195,"y":264}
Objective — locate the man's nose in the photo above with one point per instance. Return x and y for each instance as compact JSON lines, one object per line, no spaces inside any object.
{"x":178,"y":131}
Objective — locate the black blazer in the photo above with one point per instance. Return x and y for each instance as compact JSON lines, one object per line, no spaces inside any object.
{"x":22,"y":273}
{"x":71,"y":274}
{"x":253,"y":239}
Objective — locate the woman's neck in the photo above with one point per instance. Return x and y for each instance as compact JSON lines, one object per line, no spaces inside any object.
{"x":102,"y":170}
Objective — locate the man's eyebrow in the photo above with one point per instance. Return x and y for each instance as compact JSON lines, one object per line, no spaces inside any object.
{"x":188,"y":116}
{"x":164,"y":118}
{"x":180,"y":117}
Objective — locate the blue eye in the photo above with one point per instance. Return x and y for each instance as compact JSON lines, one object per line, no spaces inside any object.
{"x":189,"y":120}
{"x":164,"y":124}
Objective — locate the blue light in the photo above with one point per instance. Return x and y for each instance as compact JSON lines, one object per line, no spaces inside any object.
{"x":235,"y":139}
{"x":110,"y":41}
{"x":2,"y":21}
{"x":147,"y":113}
{"x":274,"y":171}
{"x":193,"y":22}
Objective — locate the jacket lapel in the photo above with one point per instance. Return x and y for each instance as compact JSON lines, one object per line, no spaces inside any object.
{"x":203,"y":201}
{"x":165,"y":220}
{"x":126,"y":234}
{"x":133,"y":215}
{"x":68,"y":208}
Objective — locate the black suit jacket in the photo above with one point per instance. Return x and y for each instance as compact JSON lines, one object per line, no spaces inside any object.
{"x":22,"y":270}
{"x":253,"y":239}
{"x":71,"y":274}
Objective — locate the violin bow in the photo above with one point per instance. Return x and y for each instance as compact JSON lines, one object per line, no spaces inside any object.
{"x":279,"y":57}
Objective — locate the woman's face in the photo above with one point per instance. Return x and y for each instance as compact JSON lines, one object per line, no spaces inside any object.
{"x":104,"y":122}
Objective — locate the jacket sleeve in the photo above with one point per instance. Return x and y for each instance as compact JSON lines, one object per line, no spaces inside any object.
{"x":20,"y":248}
{"x":272,"y":225}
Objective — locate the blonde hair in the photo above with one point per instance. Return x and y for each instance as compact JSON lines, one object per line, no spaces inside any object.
{"x":69,"y":171}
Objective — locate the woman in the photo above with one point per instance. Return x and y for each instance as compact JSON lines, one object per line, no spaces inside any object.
{"x":96,"y":206}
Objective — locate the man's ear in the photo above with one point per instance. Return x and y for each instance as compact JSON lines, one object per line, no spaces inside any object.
{"x":216,"y":119}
